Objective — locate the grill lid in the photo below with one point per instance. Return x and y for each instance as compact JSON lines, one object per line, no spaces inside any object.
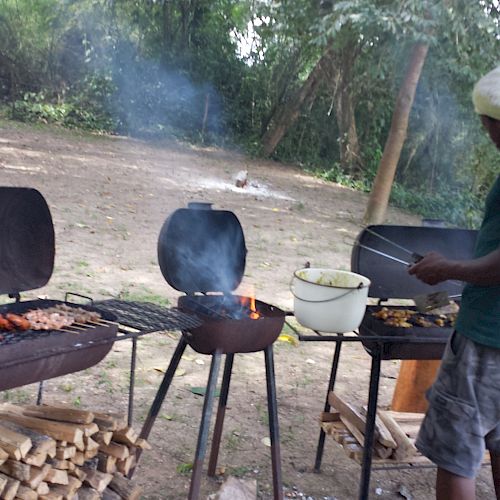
{"x":202,"y":250}
{"x":27,"y":241}
{"x":391,"y":279}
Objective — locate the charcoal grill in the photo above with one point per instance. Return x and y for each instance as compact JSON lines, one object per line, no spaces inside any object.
{"x":390,"y":280}
{"x":202,"y":253}
{"x":27,"y":249}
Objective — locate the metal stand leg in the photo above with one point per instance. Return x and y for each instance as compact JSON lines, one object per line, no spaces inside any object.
{"x":272,"y":406}
{"x":39,"y":399}
{"x":194,"y":490}
{"x":160,"y":396}
{"x":370,"y":424}
{"x":133,"y":360}
{"x":219,"y":422}
{"x":331,"y":385}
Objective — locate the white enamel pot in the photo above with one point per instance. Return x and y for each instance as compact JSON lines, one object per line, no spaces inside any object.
{"x":329,"y":300}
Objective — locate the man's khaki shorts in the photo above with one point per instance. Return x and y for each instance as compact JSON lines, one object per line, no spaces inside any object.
{"x":464,"y":408}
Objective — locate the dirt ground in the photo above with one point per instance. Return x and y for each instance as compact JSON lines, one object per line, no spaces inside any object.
{"x":109,"y":197}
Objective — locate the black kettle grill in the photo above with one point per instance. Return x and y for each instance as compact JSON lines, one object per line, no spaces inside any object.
{"x":202,"y":253}
{"x":390,"y":280}
{"x":27,"y":250}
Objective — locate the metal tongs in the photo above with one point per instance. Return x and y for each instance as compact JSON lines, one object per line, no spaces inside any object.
{"x":425,"y":302}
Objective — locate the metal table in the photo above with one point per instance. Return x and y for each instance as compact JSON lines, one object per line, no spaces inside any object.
{"x":377,"y":344}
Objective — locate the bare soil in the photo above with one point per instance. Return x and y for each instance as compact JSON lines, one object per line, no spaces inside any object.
{"x":109,"y":197}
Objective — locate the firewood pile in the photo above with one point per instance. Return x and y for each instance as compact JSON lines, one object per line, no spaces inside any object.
{"x":395,"y":432}
{"x":63,"y":453}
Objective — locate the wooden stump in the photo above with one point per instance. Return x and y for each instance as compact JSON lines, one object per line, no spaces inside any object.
{"x":415,"y":377}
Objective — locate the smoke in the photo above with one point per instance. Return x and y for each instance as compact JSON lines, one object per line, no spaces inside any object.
{"x":152,"y":100}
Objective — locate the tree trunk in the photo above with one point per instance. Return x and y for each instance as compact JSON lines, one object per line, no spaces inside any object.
{"x":379,"y":197}
{"x":350,"y":158}
{"x":288,"y":112}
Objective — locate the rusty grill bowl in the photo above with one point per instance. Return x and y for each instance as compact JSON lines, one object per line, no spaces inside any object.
{"x":230,"y":335}
{"x":32,"y":356}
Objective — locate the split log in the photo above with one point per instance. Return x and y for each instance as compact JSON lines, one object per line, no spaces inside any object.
{"x":3,"y":482}
{"x":42,"y":488}
{"x":126,"y":436}
{"x":405,"y":449}
{"x":108,"y":494}
{"x":79,"y":458}
{"x":119,"y":451}
{"x":106,"y":463}
{"x":89,"y":429}
{"x":9,"y":491}
{"x":90,"y":454}
{"x":103,"y":437}
{"x":143,"y":444}
{"x":126,"y":488}
{"x":384,"y":435}
{"x":90,"y":444}
{"x":16,"y":469}
{"x":3,"y":456}
{"x":57,"y":430}
{"x":379,"y":449}
{"x":59,"y":413}
{"x":51,"y":496}
{"x":15,"y":444}
{"x":25,"y":493}
{"x":63,"y":453}
{"x":87,"y":493}
{"x":67,"y":490}
{"x":37,"y":475}
{"x":97,"y":480}
{"x":124,"y":466}
{"x":56,"y":476}
{"x":78,"y":473}
{"x":110,"y":421}
{"x":38,"y":458}
{"x":381,"y":434}
{"x":327,"y":416}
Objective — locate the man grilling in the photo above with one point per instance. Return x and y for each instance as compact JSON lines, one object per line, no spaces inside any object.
{"x":464,"y":403}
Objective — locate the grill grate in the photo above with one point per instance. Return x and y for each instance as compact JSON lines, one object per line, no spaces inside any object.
{"x":148,"y":317}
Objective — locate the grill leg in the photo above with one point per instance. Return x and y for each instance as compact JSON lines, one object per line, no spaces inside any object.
{"x":194,"y":489}
{"x":39,"y":399}
{"x":331,"y":385}
{"x":160,"y":396}
{"x":272,"y":406}
{"x":133,"y":360}
{"x":221,"y":412}
{"x":364,"y":485}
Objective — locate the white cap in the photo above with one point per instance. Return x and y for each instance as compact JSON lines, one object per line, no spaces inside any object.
{"x":486,"y":95}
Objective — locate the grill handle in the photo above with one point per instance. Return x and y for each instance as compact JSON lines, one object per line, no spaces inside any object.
{"x":68,"y":294}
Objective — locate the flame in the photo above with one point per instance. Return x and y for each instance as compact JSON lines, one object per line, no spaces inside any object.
{"x":249,"y":302}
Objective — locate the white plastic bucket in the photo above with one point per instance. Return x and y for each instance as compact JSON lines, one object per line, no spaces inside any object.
{"x":329,"y":300}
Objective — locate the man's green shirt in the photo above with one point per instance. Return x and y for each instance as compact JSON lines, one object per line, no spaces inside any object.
{"x":479,"y":316}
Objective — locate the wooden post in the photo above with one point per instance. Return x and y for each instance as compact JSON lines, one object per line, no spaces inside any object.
{"x":415,"y":377}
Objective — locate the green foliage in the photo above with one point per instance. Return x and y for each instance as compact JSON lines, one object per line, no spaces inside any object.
{"x":216,"y":72}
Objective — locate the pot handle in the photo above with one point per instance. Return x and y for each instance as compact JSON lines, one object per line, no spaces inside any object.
{"x":359,"y":287}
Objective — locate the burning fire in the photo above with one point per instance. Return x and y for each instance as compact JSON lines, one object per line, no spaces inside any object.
{"x":249,"y":303}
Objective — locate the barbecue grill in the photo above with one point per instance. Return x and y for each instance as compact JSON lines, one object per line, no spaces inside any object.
{"x":202,"y":253}
{"x":390,"y":280}
{"x":27,"y":249}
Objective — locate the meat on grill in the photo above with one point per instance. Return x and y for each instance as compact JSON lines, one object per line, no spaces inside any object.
{"x":52,"y":318}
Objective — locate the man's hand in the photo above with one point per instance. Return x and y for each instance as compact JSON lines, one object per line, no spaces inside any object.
{"x":432,"y":269}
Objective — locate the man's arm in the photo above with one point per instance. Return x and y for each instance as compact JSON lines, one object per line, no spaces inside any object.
{"x":434,"y":268}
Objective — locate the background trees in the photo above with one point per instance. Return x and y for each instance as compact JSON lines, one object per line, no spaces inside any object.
{"x":308,"y":81}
